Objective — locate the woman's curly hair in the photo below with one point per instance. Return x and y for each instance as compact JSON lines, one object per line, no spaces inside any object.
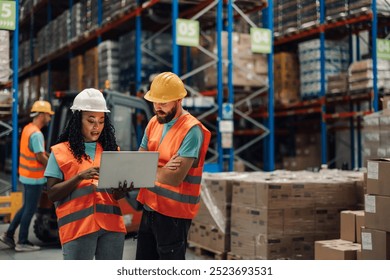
{"x":72,"y":133}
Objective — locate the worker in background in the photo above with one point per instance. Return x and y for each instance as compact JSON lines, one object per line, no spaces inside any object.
{"x":182,"y":142}
{"x":90,"y":221}
{"x":32,"y":162}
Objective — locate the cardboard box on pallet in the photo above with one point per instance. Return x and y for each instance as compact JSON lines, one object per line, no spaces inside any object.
{"x":256,"y":220}
{"x":212,"y":223}
{"x":209,"y":237}
{"x":259,"y":245}
{"x":336,"y":250}
{"x":378,"y":176}
{"x":299,"y":220}
{"x":327,"y":219}
{"x":258,"y":194}
{"x":375,"y":244}
{"x":376,"y":212}
{"x":350,"y":225}
{"x":271,"y":247}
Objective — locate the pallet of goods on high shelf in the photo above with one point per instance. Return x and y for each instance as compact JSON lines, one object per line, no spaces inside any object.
{"x":363,"y":6}
{"x":285,"y":16}
{"x":361,"y":76}
{"x":376,"y":135}
{"x":5,"y":71}
{"x":5,"y":103}
{"x":286,"y":77}
{"x":337,"y":84}
{"x":250,"y":71}
{"x":336,"y":9}
{"x":108,"y":63}
{"x":308,"y":14}
{"x":336,"y":61}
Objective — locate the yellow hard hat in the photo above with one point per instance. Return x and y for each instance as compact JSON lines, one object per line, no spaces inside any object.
{"x":42,"y":106}
{"x":166,"y":87}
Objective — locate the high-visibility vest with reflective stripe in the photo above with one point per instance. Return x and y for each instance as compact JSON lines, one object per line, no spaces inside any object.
{"x":175,"y":201}
{"x":87,"y":209}
{"x":29,"y":166}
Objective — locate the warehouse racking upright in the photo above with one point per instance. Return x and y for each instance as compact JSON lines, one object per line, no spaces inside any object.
{"x":43,"y":19}
{"x":348,"y":23}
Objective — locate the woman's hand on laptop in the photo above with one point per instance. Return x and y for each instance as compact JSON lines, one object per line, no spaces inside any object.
{"x":122,"y":189}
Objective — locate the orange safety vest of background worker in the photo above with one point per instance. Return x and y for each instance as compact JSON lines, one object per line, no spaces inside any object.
{"x":28,"y":165}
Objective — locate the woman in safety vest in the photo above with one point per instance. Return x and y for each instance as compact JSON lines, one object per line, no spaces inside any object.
{"x":89,"y":219}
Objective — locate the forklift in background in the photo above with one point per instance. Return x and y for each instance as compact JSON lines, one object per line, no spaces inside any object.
{"x":129,"y":115}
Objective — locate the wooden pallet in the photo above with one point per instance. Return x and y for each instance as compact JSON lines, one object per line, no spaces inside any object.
{"x":231,"y":256}
{"x":201,"y":250}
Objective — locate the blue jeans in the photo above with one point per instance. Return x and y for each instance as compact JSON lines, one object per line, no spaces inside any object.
{"x":161,"y":237}
{"x":23,"y":217}
{"x":102,"y":244}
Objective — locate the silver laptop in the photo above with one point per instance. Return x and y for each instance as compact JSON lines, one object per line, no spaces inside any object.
{"x":139,"y":167}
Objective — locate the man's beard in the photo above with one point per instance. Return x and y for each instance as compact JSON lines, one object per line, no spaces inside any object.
{"x":169,"y":116}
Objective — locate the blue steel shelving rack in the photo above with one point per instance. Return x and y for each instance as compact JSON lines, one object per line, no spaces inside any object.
{"x":321,"y":30}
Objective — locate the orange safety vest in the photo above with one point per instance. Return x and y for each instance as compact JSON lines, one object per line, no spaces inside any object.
{"x":86,"y":209}
{"x":29,"y":166}
{"x":175,"y":201}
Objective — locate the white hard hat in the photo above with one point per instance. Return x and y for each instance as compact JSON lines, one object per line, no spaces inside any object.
{"x":91,"y":100}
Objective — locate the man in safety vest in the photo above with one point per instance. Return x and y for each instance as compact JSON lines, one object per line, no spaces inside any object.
{"x":173,"y":202}
{"x":32,"y":163}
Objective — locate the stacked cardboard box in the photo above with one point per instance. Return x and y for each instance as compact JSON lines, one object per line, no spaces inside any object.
{"x":90,"y":74}
{"x":337,"y":84}
{"x":249,"y":69}
{"x":76,"y":71}
{"x":286,"y":76}
{"x":211,"y":227}
{"x":279,"y":215}
{"x":376,"y":234}
{"x":376,"y":135}
{"x":348,"y":247}
{"x":361,"y":76}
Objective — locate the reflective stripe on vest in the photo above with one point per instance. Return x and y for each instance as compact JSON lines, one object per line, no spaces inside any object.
{"x":100,"y":208}
{"x":175,"y":196}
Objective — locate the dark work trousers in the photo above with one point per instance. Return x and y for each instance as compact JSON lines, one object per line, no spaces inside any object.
{"x":161,"y":237}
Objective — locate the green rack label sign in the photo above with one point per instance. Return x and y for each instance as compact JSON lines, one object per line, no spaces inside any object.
{"x":261,"y":40}
{"x":7,"y":15}
{"x":187,"y":32}
{"x":383,"y":48}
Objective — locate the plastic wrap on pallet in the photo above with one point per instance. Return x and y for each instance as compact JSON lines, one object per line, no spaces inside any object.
{"x":213,"y":202}
{"x":5,"y":70}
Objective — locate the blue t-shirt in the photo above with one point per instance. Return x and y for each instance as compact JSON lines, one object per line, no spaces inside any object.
{"x":191,"y":144}
{"x":37,"y":145}
{"x":52,"y":168}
